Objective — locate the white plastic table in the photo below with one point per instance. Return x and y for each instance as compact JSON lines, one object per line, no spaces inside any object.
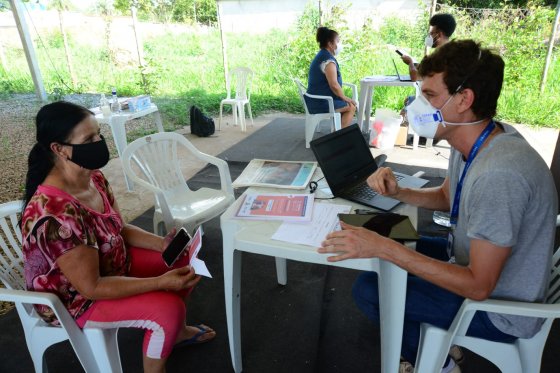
{"x":255,"y":237}
{"x":117,"y":122}
{"x":367,"y":85}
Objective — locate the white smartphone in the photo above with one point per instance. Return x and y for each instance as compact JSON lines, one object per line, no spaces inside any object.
{"x":176,"y":247}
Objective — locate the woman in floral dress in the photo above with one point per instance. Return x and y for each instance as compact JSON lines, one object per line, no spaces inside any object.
{"x":76,"y":245}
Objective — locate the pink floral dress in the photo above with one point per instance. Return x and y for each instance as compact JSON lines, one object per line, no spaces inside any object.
{"x":53,"y":223}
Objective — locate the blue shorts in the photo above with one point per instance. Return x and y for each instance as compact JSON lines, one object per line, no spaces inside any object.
{"x":316,"y":106}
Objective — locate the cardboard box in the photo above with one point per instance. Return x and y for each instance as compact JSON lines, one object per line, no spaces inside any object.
{"x":401,"y":136}
{"x":139,"y":103}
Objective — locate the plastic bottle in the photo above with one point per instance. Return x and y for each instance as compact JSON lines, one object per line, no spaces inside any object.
{"x":115,"y":105}
{"x":104,"y":106}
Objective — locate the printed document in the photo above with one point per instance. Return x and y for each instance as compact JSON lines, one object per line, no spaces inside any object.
{"x":276,"y":206}
{"x":194,"y":247}
{"x":325,"y":220}
{"x":276,"y":174}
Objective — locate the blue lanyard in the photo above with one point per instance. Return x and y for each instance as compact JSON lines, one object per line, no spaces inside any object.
{"x":474,"y":151}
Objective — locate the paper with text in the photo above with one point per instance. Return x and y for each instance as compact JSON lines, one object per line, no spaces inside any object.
{"x":325,"y":220}
{"x":292,"y":207}
{"x":194,"y":247}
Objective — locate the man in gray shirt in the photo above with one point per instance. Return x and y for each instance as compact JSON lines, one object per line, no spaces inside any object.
{"x":502,"y":200}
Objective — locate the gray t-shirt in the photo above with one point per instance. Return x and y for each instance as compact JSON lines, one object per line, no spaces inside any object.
{"x":510,"y":200}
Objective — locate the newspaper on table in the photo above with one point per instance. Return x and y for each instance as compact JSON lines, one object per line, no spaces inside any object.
{"x":276,"y":174}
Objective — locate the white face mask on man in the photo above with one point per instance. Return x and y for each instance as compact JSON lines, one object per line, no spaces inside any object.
{"x":429,"y":41}
{"x":425,"y":118}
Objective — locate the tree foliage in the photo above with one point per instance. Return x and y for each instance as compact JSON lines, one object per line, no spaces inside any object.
{"x":497,"y":4}
{"x":187,"y":11}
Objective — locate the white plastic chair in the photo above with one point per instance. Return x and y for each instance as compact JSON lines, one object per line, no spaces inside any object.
{"x":243,"y":77}
{"x":159,"y":171}
{"x":313,"y":120}
{"x":96,"y":349}
{"x":523,"y":355}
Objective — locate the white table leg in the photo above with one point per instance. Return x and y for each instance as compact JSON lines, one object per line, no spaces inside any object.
{"x":232,"y":287}
{"x":361,"y":105}
{"x":159,"y":123}
{"x":281,"y":271}
{"x":117,"y":124}
{"x":367,"y":109}
{"x":392,"y":295}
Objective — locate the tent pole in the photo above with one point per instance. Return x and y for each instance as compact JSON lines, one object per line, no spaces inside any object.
{"x":550,"y":47}
{"x":224,"y":46}
{"x":19,"y":16}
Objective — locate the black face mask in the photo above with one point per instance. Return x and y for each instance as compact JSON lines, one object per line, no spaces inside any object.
{"x":92,"y":155}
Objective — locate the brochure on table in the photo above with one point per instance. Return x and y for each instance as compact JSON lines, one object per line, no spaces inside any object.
{"x":276,"y":174}
{"x":194,"y":248}
{"x":276,"y":206}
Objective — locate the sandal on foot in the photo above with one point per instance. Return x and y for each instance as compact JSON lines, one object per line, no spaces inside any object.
{"x":203,"y":329}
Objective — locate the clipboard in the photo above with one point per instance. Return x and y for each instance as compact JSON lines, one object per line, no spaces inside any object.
{"x":395,"y":226}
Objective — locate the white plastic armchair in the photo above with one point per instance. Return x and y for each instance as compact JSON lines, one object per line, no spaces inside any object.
{"x":96,"y":349}
{"x":354,"y":90}
{"x":522,"y":356}
{"x":242,"y":76}
{"x":313,"y":120}
{"x":158,"y":170}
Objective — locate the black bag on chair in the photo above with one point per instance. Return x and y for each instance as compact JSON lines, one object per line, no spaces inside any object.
{"x":201,"y":125}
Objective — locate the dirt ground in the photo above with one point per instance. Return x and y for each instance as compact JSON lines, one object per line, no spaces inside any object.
{"x":17,"y":136}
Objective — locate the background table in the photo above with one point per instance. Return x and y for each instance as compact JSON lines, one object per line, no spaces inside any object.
{"x":367,"y":85}
{"x":117,"y":122}
{"x":255,"y":237}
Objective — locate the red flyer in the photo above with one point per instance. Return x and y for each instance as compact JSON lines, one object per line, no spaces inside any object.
{"x":288,"y":207}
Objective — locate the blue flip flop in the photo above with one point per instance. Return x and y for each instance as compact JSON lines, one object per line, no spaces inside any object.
{"x":194,"y":339}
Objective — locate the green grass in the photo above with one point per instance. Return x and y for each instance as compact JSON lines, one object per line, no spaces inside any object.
{"x":186,"y":69}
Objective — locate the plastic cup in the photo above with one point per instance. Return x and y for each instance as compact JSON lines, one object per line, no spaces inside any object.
{"x":442,"y":218}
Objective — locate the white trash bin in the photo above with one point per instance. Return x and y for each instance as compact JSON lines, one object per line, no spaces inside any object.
{"x":385,"y":128}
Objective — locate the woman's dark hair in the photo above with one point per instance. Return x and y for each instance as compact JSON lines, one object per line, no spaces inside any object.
{"x":325,"y":35}
{"x":465,"y":64}
{"x":54,"y":123}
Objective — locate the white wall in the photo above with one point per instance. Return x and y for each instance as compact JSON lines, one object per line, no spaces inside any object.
{"x":258,"y":16}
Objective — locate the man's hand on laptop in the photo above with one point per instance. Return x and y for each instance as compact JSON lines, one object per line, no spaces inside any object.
{"x":384,"y":182}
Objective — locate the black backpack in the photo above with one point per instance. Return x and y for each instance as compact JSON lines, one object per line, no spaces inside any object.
{"x":201,"y":125}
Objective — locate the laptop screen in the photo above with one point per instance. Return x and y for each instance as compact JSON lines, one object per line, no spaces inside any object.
{"x":344,"y":157}
{"x":396,"y":69}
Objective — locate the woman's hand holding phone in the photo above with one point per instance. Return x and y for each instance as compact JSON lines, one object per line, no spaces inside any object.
{"x":168,"y":238}
{"x":175,"y":246}
{"x":179,"y":279}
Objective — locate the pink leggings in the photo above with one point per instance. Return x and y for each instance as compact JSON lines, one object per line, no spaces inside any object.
{"x":161,"y":313}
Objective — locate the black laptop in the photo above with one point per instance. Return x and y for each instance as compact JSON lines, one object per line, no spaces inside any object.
{"x":402,"y":78}
{"x":346,"y":162}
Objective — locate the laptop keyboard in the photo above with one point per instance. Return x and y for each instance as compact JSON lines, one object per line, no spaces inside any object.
{"x":363,"y":191}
